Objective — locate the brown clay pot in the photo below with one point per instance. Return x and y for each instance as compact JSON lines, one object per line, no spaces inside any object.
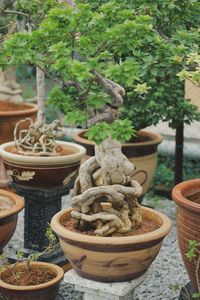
{"x":142,"y":154}
{"x":45,"y":291}
{"x":42,"y":172}
{"x":13,"y":114}
{"x":111,"y":259}
{"x":8,"y":218}
{"x":188,"y":221}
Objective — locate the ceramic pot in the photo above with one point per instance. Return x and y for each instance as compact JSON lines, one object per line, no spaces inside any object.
{"x":9,"y":118}
{"x":142,"y":154}
{"x":8,"y":217}
{"x":192,"y":92}
{"x":188,"y":221}
{"x":45,"y":291}
{"x":43,"y":172}
{"x":111,"y":259}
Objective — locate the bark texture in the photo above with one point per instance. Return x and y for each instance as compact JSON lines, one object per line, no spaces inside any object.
{"x":107,"y":177}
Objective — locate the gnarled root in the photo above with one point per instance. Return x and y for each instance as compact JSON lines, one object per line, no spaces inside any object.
{"x":38,"y":140}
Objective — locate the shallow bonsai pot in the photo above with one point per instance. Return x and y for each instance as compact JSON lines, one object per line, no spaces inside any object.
{"x":188,"y":222}
{"x":142,"y":154}
{"x":15,"y":113}
{"x":8,"y":218}
{"x":42,"y":172}
{"x":111,"y":259}
{"x":45,"y":291}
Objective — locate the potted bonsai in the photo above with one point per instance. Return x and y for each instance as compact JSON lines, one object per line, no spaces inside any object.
{"x":12,"y":106}
{"x":187,"y":197}
{"x":82,"y":87}
{"x":10,"y":205}
{"x":29,"y":279}
{"x":120,"y":237}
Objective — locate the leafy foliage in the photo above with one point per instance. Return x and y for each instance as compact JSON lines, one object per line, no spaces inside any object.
{"x":192,"y":71}
{"x":140,"y":45}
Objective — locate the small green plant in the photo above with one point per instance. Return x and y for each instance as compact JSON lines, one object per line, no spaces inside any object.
{"x":21,"y":258}
{"x":193,"y":255}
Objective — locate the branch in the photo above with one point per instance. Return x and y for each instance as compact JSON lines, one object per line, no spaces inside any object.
{"x":40,"y":77}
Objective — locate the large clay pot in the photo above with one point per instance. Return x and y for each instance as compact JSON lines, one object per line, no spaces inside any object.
{"x":111,"y":259}
{"x":188,"y":221}
{"x":43,"y":172}
{"x":8,"y":218}
{"x":142,"y":154}
{"x":45,"y":291}
{"x":10,"y":114}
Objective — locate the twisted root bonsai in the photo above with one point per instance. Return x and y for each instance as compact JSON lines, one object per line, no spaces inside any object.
{"x":107,"y":177}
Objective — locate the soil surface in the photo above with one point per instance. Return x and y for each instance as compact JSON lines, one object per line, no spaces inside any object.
{"x":62,"y":151}
{"x":5,"y":203}
{"x":8,"y":106}
{"x":146,"y":226}
{"x":195,"y":197}
{"x":23,"y":277}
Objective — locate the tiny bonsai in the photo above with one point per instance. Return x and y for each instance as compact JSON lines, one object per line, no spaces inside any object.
{"x":27,"y":276}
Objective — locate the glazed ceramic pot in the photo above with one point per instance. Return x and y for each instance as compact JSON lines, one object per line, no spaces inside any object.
{"x":8,"y":217}
{"x":45,"y":291}
{"x":142,"y":154}
{"x":43,"y":172}
{"x":187,"y":197}
{"x":13,"y":114}
{"x":111,"y":259}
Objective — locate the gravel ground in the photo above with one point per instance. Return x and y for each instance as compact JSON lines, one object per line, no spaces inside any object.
{"x":165,"y":277}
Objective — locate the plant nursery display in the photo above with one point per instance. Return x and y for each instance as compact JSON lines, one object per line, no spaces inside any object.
{"x":187,"y":197}
{"x":119,"y":237}
{"x":10,"y":205}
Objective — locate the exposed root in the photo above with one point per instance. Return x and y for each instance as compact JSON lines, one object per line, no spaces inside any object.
{"x":107,"y":177}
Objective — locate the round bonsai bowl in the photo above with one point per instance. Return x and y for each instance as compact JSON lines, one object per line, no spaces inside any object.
{"x":10,"y":114}
{"x":8,"y":217}
{"x":42,"y":172}
{"x":143,"y":154}
{"x":45,"y":291}
{"x":187,"y":197}
{"x":111,"y":259}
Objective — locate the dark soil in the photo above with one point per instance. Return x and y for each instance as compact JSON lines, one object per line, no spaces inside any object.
{"x":62,"y":151}
{"x":7,"y":106}
{"x":22,"y":277}
{"x":146,"y":226}
{"x":194,"y":197}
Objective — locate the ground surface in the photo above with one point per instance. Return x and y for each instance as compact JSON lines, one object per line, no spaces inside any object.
{"x":166,"y":275}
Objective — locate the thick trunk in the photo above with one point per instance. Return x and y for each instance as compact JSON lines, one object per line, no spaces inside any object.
{"x":40,"y":79}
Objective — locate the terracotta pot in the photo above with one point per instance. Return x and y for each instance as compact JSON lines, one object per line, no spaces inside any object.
{"x":192,"y":92}
{"x":8,"y":218}
{"x":188,"y":221}
{"x":43,"y":172}
{"x":142,"y":154}
{"x":111,"y":259}
{"x":9,"y":118}
{"x":45,"y":291}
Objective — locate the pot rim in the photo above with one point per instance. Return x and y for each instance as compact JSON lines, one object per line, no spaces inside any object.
{"x":161,"y":232}
{"x":43,"y":161}
{"x":59,"y":276}
{"x":179,"y":189}
{"x":16,"y":208}
{"x":156,"y":139}
{"x":31,"y":108}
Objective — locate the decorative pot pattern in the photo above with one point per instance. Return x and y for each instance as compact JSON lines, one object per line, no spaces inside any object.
{"x":8,"y":218}
{"x":142,"y":154}
{"x":43,"y":172}
{"x":188,"y":222}
{"x":45,"y":291}
{"x":8,"y":120}
{"x":111,"y":259}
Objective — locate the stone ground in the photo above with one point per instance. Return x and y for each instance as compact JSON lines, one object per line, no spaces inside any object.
{"x":166,"y":276}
